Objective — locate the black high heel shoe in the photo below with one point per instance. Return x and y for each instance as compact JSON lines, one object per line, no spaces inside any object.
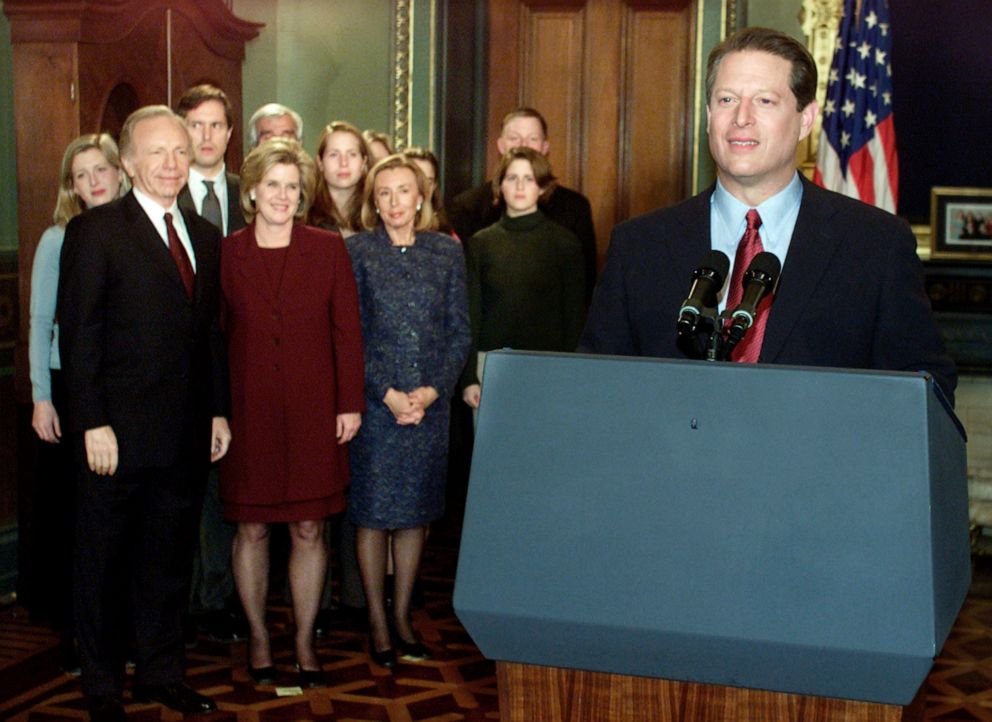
{"x":311,"y":678}
{"x":414,"y":651}
{"x":262,"y":675}
{"x":385,"y":658}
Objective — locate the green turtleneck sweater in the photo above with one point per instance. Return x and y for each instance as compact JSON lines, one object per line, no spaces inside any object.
{"x":526,"y":286}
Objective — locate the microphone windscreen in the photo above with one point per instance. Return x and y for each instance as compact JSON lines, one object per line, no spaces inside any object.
{"x":717,"y":262}
{"x":766,"y":263}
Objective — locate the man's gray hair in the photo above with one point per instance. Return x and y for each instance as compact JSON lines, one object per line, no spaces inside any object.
{"x":273,"y":110}
{"x":126,"y":142}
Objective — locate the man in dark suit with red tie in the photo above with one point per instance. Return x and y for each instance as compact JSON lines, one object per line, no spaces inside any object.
{"x":147,"y":387}
{"x":850,"y":293}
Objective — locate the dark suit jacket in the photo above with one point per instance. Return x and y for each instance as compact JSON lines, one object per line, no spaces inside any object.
{"x":235,"y":217}
{"x":851,"y":293}
{"x":473,"y":210}
{"x":138,"y":354}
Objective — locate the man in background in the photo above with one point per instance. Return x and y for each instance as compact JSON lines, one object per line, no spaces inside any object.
{"x":214,"y":194}
{"x":274,"y":120}
{"x":474,"y":209}
{"x":212,"y":191}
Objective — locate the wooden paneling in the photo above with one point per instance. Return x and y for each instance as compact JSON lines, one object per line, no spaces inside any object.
{"x":41,"y":71}
{"x":135,"y":60}
{"x":528,"y":693}
{"x":655,"y":142}
{"x":603,"y":184}
{"x":552,"y":80}
{"x":612,"y":78}
{"x":201,"y":57}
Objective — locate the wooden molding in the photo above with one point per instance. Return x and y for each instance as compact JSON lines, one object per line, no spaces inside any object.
{"x":112,"y":20}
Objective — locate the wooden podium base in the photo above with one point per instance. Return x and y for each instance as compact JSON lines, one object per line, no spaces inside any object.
{"x":529,"y":693}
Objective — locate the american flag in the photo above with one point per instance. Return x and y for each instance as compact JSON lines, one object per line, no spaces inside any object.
{"x":857,"y":153}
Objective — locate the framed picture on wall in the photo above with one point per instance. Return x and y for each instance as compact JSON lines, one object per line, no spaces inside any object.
{"x":961,"y":223}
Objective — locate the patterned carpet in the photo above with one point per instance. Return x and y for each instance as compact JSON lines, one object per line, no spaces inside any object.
{"x":457,"y":684}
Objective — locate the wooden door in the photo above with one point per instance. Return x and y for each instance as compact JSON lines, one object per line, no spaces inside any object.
{"x":613,"y":79}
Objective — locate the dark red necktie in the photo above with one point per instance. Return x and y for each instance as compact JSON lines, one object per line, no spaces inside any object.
{"x":179,"y":255}
{"x":748,"y":350}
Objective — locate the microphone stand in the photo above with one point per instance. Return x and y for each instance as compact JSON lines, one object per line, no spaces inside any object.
{"x":714,"y":343}
{"x":691,"y":342}
{"x":727,"y":342}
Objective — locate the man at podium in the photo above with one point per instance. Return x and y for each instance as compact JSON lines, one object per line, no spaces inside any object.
{"x":850,"y":293}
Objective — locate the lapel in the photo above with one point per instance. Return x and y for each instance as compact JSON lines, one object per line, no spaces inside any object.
{"x":235,"y":216}
{"x":200,"y":248}
{"x":255,"y":273}
{"x":185,"y":200}
{"x":692,"y":236}
{"x":147,"y":239}
{"x":814,"y":242}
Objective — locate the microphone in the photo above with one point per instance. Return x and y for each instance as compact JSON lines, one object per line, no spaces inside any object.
{"x":707,"y":280}
{"x":759,"y":280}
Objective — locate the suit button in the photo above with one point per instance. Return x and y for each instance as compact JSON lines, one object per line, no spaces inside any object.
{"x":275,"y":342}
{"x":276,"y":316}
{"x":275,"y":367}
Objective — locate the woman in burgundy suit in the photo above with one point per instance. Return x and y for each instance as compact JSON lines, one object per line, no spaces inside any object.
{"x":290,"y":313}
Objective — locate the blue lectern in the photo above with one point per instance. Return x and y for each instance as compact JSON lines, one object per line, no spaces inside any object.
{"x":789,"y":529}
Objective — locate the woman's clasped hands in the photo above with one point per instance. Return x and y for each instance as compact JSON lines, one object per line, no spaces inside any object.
{"x":409,"y":407}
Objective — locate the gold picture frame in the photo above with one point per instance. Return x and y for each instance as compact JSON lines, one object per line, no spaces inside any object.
{"x":961,"y":223}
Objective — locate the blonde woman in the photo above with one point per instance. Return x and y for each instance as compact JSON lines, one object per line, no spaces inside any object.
{"x":411,"y":287}
{"x":91,"y":176}
{"x":290,"y":313}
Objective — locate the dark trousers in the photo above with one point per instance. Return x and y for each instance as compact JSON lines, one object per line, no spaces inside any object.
{"x":340,"y":532}
{"x":213,"y":580}
{"x":47,"y":590}
{"x":135,"y":536}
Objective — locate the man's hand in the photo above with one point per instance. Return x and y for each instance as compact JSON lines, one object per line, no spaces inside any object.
{"x":45,"y":421}
{"x":471,"y":395}
{"x":347,"y":427}
{"x":220,"y":438}
{"x":101,"y":450}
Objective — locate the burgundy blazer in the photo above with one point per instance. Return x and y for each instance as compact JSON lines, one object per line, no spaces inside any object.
{"x":296,"y":362}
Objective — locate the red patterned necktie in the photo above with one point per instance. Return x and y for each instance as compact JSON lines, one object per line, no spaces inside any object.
{"x":179,"y":255}
{"x":748,"y":350}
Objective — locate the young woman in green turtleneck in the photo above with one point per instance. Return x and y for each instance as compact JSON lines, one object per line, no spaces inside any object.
{"x":525,"y":272}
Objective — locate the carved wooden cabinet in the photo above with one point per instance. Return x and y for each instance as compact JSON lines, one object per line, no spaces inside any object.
{"x":82,"y":67}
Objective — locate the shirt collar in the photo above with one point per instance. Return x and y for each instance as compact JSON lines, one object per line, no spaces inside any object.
{"x":197,"y":178}
{"x":153,"y":208}
{"x":778,"y":216}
